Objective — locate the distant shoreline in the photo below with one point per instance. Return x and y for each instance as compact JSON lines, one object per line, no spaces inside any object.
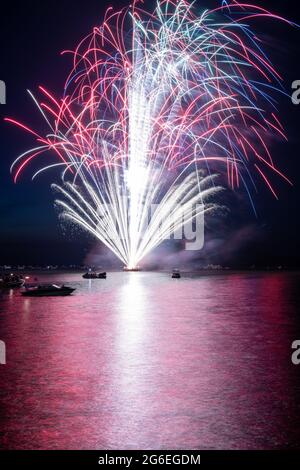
{"x":185,"y":271}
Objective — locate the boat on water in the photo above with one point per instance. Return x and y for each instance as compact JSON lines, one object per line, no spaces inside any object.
{"x":131,"y":270}
{"x":11,"y":281}
{"x":176,"y":274}
{"x":93,"y":275}
{"x":47,"y":291}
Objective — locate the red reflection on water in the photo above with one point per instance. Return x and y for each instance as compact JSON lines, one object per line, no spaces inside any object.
{"x":144,"y":361}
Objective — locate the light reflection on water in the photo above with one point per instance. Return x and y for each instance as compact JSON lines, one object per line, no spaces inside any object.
{"x":141,"y":360}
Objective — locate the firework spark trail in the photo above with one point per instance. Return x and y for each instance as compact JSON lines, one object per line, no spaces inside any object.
{"x":151,"y":101}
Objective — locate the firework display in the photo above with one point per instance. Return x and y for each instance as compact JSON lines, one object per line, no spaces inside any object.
{"x":155,"y":105}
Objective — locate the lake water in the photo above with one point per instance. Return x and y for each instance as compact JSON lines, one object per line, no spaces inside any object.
{"x":143,"y":361}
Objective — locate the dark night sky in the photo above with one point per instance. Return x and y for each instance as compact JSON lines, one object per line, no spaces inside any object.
{"x":33,"y":33}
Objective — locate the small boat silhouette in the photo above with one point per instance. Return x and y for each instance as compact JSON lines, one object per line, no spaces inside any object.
{"x":93,"y":275}
{"x":11,"y":281}
{"x":47,"y":290}
{"x":176,"y":274}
